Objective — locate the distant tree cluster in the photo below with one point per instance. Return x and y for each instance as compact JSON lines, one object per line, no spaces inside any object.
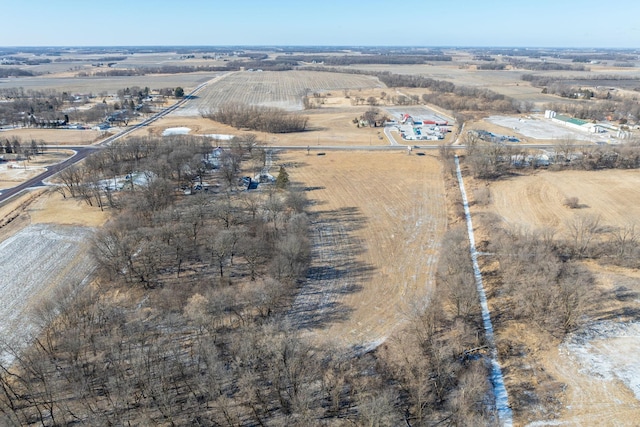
{"x":546,"y":65}
{"x":14,"y":72}
{"x":333,"y":60}
{"x":254,"y":117}
{"x":32,"y":108}
{"x":492,"y":66}
{"x":50,"y":108}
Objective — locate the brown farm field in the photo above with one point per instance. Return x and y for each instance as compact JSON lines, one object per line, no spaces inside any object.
{"x":377,"y":223}
{"x":536,"y":201}
{"x":282,"y":89}
{"x":107,"y":85}
{"x":54,"y":136}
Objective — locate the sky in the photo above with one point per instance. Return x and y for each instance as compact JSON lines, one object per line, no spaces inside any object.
{"x":514,"y":23}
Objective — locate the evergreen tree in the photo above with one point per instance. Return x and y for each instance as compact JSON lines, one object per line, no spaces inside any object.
{"x":282,"y":181}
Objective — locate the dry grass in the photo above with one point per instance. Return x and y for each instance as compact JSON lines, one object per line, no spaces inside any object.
{"x":378,"y":220}
{"x":537,"y":202}
{"x":54,"y":136}
{"x":53,"y":208}
{"x":283,"y":89}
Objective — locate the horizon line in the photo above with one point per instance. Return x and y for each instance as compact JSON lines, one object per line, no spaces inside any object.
{"x":276,"y":46}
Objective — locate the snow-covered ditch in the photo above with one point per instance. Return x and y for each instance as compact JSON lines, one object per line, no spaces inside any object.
{"x":176,"y":131}
{"x":607,"y":351}
{"x":505,"y":414}
{"x":186,"y":131}
{"x":34,"y":262}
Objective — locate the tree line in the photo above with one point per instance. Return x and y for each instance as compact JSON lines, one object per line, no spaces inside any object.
{"x":255,"y":117}
{"x":15,"y":145}
{"x":14,"y":72}
{"x":390,"y":58}
{"x":491,"y":160}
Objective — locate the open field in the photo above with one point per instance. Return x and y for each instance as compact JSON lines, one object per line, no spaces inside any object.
{"x":327,"y":126}
{"x":54,"y":136}
{"x":536,"y":201}
{"x":376,"y":232}
{"x":44,"y":252}
{"x":108,"y":85}
{"x":598,"y":363}
{"x":283,"y":89}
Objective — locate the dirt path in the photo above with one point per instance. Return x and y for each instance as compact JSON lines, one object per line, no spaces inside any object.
{"x":377,"y":222}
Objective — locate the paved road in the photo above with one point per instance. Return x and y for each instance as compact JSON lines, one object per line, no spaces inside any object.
{"x":83,"y":151}
{"x":37,"y":181}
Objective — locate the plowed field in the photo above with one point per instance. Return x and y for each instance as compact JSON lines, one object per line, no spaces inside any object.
{"x":537,"y":201}
{"x":377,"y":223}
{"x":283,"y":89}
{"x":43,"y":249}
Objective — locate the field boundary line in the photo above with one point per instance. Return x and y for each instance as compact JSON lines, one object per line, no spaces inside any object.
{"x":505,"y":414}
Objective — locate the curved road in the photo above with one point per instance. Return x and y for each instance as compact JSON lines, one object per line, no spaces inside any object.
{"x":83,"y":151}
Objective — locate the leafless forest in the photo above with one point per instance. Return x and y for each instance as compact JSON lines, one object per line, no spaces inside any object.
{"x":190,"y":321}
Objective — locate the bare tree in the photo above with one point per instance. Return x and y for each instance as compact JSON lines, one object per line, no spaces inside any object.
{"x":566,"y":148}
{"x":582,"y":230}
{"x":625,"y":238}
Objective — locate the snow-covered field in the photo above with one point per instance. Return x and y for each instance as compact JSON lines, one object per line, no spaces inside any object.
{"x":34,"y":262}
{"x":608,"y":351}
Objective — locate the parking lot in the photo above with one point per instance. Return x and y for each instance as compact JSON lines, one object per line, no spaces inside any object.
{"x":419,"y":123}
{"x":537,"y":127}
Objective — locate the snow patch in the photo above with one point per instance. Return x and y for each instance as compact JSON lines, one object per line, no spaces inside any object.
{"x":32,"y":263}
{"x":608,"y":351}
{"x":505,"y":414}
{"x":219,"y":136}
{"x":176,"y":131}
